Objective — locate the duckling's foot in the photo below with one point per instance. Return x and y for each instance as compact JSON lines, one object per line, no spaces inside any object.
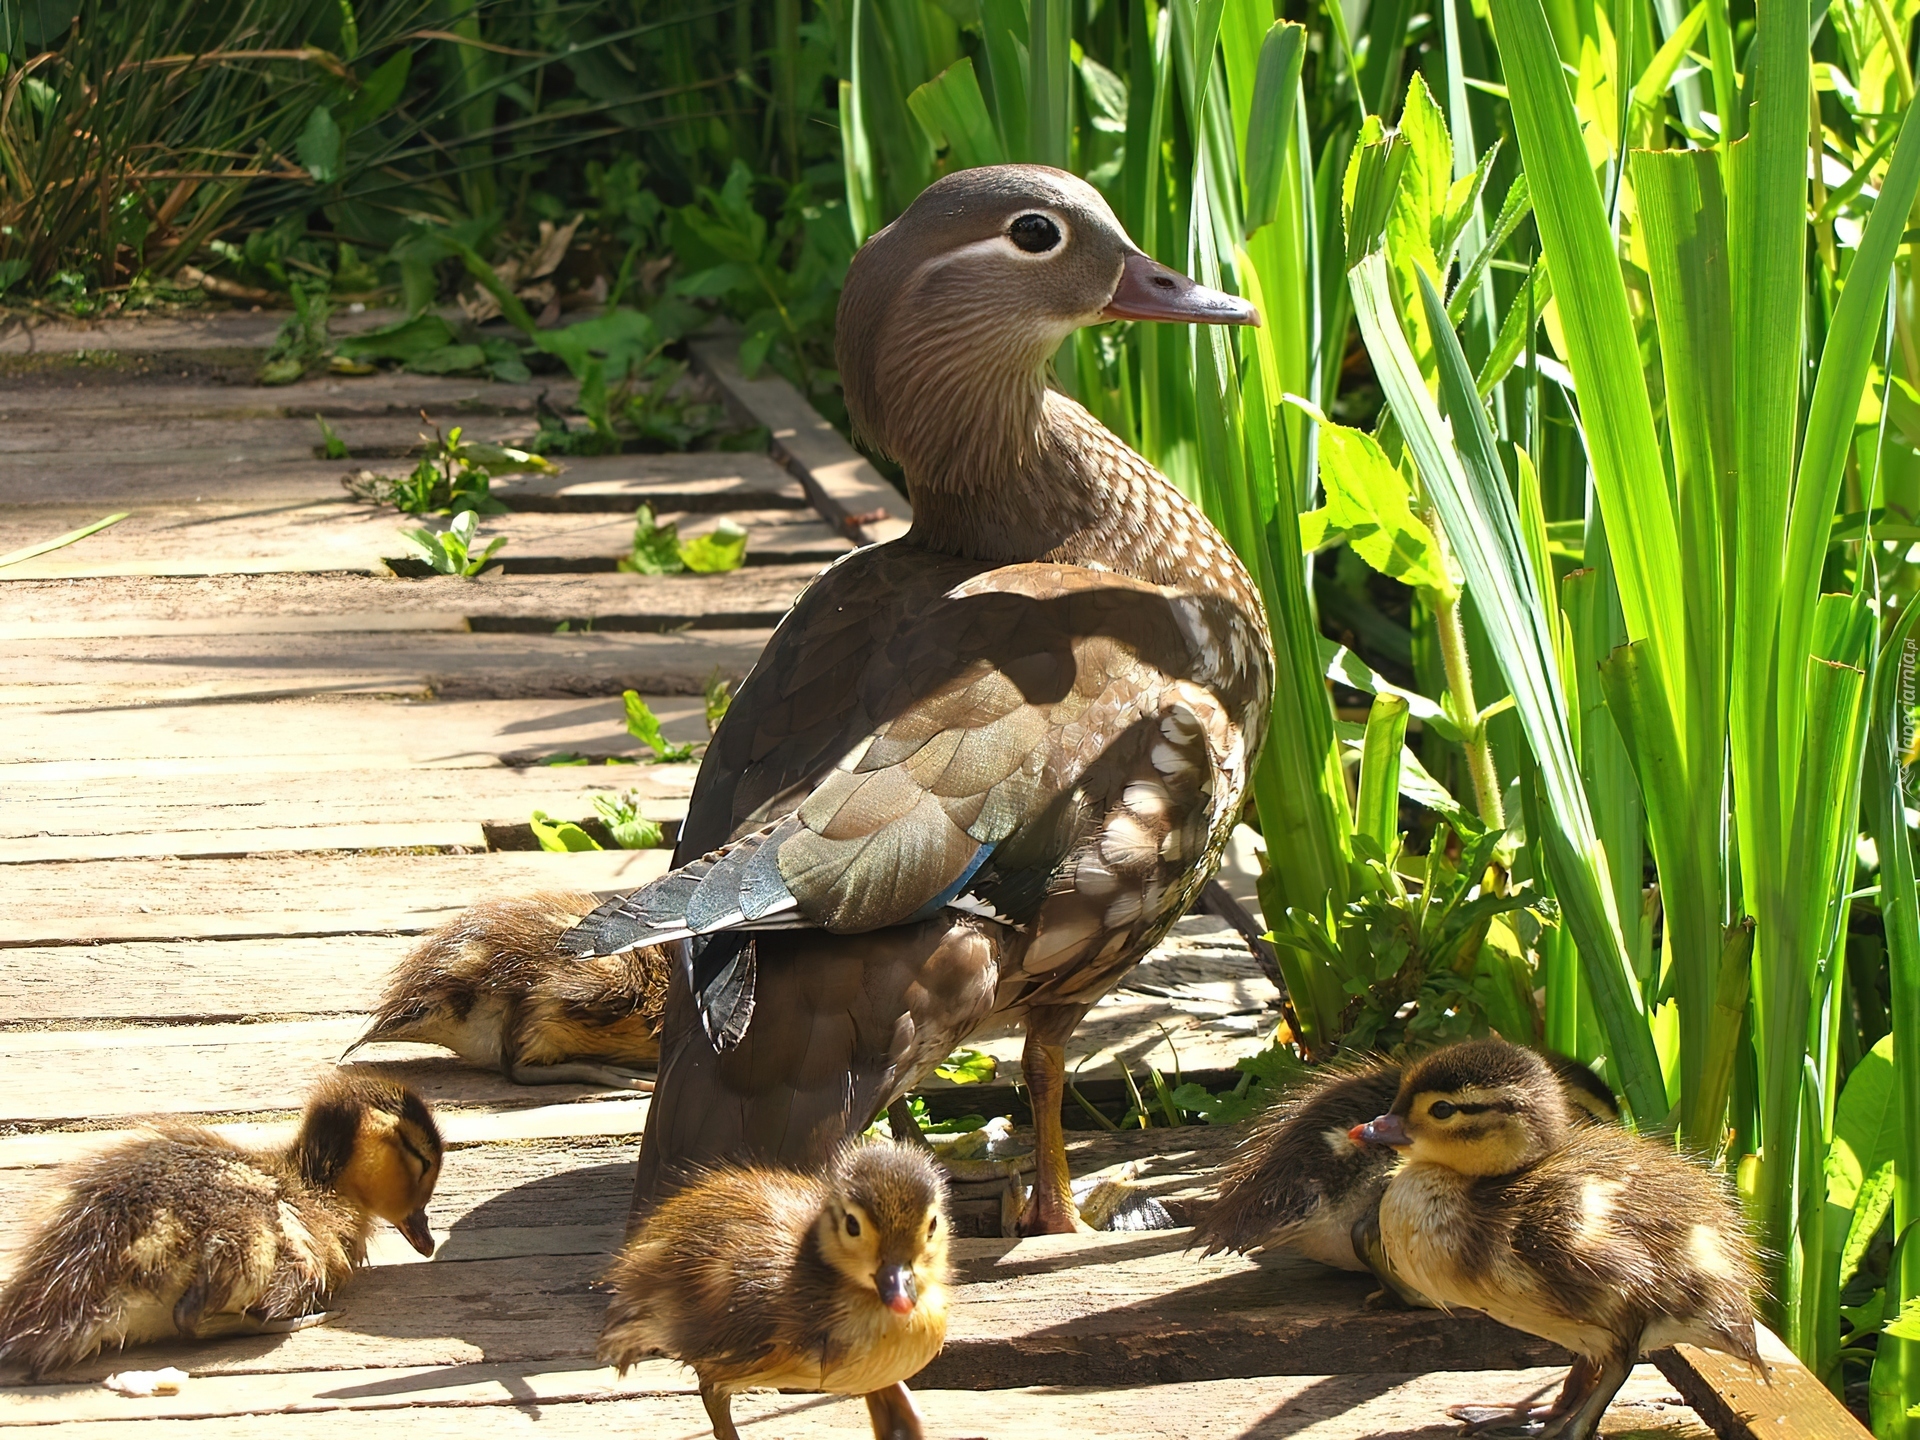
{"x":1022,"y":1212}
{"x":581,"y":1072}
{"x":719,"y":1405}
{"x":894,"y":1415}
{"x":1524,"y":1416}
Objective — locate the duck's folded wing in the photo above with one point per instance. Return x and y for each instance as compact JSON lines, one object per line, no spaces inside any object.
{"x":962,"y":789}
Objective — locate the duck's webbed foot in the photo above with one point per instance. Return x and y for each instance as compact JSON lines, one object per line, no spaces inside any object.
{"x":580,"y":1072}
{"x":894,"y":1415}
{"x":1527,"y":1417}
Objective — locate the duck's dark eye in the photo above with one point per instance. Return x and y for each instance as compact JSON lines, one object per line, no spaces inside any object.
{"x":1035,"y":234}
{"x":1441,"y":1109}
{"x":933,"y":1224}
{"x":853,"y":1225}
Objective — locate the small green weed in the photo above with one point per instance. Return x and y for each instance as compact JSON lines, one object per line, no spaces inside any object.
{"x":630,"y":830}
{"x":428,"y":344}
{"x":644,"y":726}
{"x":450,"y":551}
{"x":719,"y":696}
{"x":560,"y":836}
{"x":659,"y":550}
{"x":454,"y":475}
{"x":331,"y":443}
{"x":301,"y":344}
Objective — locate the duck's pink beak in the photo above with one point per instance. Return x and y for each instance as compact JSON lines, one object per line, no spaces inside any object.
{"x":1149,"y":290}
{"x":1384,"y":1130}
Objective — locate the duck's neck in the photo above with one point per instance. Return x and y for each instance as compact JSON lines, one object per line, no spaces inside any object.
{"x":1056,"y":485}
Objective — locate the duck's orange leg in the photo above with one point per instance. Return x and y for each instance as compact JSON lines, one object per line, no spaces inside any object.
{"x":1050,"y":1210}
{"x":894,"y":1415}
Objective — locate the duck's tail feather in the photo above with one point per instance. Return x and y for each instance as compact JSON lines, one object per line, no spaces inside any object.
{"x":737,"y":887}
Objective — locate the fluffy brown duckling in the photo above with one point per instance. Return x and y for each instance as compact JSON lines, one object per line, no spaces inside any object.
{"x":183,"y":1233}
{"x":760,"y":1278}
{"x":1300,"y":1184}
{"x":1603,"y":1242}
{"x":492,"y":986}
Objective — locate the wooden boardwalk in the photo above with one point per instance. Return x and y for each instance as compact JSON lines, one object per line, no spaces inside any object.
{"x":246,"y":765}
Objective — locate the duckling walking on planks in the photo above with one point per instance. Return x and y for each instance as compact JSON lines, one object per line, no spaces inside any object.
{"x":1300,"y":1183}
{"x":186,"y":1234}
{"x":762,"y":1279}
{"x":493,"y":986}
{"x":1600,"y":1241}
{"x":980,"y":770}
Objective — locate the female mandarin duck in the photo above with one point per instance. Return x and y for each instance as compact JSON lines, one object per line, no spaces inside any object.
{"x":979,"y":770}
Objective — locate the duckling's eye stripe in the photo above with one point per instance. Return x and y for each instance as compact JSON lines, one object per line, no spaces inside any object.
{"x":413,"y":1150}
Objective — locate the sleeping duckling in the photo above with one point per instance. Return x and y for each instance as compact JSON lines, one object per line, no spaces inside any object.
{"x":1600,"y":1241}
{"x":1299,"y":1184}
{"x":492,"y":986}
{"x":185,"y":1234}
{"x":761,"y":1278}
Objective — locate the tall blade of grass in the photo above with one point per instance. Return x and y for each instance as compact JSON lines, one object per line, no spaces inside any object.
{"x":1478,"y":512}
{"x":863,"y":184}
{"x":1377,"y":813}
{"x":1270,"y":128}
{"x":1895,"y":1383}
{"x":1683,"y":223}
{"x":1049,"y":83}
{"x":1003,"y":28}
{"x":954,"y":113}
{"x":1838,"y":385}
{"x":1602,"y":351}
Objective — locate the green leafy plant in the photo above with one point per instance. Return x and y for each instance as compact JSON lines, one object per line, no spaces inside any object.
{"x":659,"y":550}
{"x":331,"y":445}
{"x":430,"y":344}
{"x":644,"y":726}
{"x":718,"y":694}
{"x":450,"y":551}
{"x":454,"y":475}
{"x":629,"y":829}
{"x":560,"y":836}
{"x":301,"y":344}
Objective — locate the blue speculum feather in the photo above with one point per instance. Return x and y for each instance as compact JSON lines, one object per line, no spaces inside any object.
{"x":947,"y":896}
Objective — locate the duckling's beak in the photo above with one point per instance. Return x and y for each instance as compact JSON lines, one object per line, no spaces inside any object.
{"x":1149,"y":290}
{"x":418,"y":1233}
{"x":898,"y":1289}
{"x":1385,"y":1130}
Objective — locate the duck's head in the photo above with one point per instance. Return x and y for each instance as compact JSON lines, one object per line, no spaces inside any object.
{"x":951,"y":313}
{"x":373,"y":1143}
{"x":1483,"y":1107}
{"x":884,"y":1226}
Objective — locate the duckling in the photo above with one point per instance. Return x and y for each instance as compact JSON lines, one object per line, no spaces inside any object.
{"x":492,"y":986}
{"x":1603,"y":1242}
{"x":761,"y":1278}
{"x":182,"y":1233}
{"x":1299,"y":1184}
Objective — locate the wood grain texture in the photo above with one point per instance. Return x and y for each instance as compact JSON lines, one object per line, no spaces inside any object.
{"x":328,"y":894}
{"x":602,"y":600}
{"x":1741,"y":1405}
{"x":90,"y":397}
{"x":91,"y":673}
{"x":485,"y":1401}
{"x":843,"y":486}
{"x":47,"y":741}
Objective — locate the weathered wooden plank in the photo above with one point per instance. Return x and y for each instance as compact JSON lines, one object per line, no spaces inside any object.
{"x":89,"y":397}
{"x":497,"y":666}
{"x":362,"y":622}
{"x":843,"y":486}
{"x":490,"y":1400}
{"x":168,"y":335}
{"x":608,"y":600}
{"x":588,"y":1120}
{"x":292,"y":894}
{"x":558,"y":540}
{"x":54,"y":444}
{"x":66,"y":1076}
{"x":49,"y":743}
{"x":1059,"y":1310}
{"x":1742,"y":1405}
{"x":222,"y":843}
